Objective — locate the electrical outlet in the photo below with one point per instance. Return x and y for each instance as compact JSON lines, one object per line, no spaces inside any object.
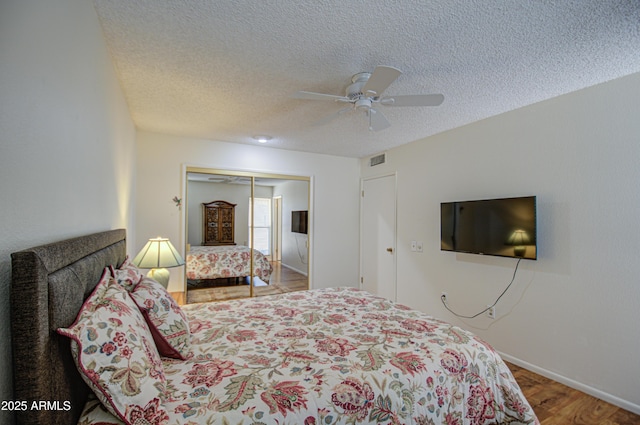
{"x":419,"y":246}
{"x":414,"y":246}
{"x":491,"y":312}
{"x":443,"y":297}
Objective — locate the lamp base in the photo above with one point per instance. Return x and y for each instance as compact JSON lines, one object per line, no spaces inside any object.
{"x":160,"y":275}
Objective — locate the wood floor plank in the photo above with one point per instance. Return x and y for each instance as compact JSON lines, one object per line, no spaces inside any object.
{"x":622,"y":417}
{"x":557,"y":404}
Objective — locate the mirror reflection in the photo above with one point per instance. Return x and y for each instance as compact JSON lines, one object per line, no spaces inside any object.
{"x":247,"y":235}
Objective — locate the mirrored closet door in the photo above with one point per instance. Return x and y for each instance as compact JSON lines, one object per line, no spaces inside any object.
{"x":247,"y":234}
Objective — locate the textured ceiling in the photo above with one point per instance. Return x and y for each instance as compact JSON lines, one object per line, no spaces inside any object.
{"x":226,"y":69}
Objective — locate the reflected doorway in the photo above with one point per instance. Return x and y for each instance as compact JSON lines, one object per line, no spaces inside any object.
{"x":239,"y":237}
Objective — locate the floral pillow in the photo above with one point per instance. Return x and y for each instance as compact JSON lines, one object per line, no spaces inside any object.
{"x":167,"y":322}
{"x":94,"y":413}
{"x":115,"y":354}
{"x":127,"y":275}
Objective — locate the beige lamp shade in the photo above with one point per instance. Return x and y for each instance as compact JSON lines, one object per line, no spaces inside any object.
{"x":158,"y":255}
{"x":519,"y":238}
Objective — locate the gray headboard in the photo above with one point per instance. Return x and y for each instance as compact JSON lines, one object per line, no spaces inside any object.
{"x":49,"y":283}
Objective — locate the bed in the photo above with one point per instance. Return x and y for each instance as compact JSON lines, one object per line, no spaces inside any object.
{"x":331,"y":356}
{"x":205,"y":263}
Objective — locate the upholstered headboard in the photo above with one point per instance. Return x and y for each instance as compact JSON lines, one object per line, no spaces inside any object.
{"x":49,"y":283}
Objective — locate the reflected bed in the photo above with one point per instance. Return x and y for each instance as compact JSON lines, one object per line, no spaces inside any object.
{"x":206,"y":263}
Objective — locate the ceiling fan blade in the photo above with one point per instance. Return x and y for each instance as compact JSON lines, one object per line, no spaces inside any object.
{"x":328,"y":118}
{"x":380,"y":79}
{"x":377,"y":121}
{"x":318,"y":96}
{"x":413,"y":100}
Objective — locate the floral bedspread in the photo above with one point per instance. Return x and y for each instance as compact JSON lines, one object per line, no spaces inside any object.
{"x":335,"y":356}
{"x":212,"y":262}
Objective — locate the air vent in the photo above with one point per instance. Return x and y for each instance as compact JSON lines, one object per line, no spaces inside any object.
{"x":377,"y":160}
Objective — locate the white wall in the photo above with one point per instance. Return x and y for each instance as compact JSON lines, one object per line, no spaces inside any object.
{"x":574,"y":313}
{"x":334,"y":186}
{"x":67,"y":151}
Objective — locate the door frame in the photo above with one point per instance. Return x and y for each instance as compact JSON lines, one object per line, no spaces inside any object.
{"x":276,"y":253}
{"x":394,"y":175}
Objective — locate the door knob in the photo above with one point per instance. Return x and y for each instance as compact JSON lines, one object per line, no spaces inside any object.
{"x":389,"y":249}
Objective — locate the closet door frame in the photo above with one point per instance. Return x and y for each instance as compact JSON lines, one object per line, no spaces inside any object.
{"x":253,"y":175}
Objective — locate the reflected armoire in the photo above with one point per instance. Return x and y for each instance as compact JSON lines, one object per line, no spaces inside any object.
{"x":219,"y":217}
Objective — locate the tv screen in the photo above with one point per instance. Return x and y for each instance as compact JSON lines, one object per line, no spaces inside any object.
{"x":299,"y":221}
{"x":502,"y":227}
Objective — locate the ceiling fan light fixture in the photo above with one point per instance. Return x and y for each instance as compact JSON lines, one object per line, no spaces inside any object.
{"x":363,"y":104}
{"x":262,"y":138}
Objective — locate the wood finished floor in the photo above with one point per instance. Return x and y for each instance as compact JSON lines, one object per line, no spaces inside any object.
{"x":557,"y":404}
{"x":282,"y":280}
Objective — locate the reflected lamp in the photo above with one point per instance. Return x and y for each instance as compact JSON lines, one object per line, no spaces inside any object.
{"x":518,"y":239}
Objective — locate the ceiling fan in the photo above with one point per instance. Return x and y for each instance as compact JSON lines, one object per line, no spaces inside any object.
{"x":365,"y":93}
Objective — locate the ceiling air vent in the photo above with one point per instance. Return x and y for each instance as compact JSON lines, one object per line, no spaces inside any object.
{"x":376,"y":160}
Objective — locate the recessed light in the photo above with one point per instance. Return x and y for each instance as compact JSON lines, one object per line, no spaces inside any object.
{"x":262,"y":138}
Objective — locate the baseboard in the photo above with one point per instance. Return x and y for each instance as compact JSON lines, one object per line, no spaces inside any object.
{"x":294,"y":269}
{"x":609,"y":398}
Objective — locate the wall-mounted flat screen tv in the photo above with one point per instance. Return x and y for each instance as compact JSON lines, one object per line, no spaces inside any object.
{"x":502,"y":227}
{"x":299,"y":221}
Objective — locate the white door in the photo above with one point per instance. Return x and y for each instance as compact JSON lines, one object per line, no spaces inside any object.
{"x":378,"y":241}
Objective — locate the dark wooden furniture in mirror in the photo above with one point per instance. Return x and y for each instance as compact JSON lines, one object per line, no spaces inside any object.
{"x":218,"y":223}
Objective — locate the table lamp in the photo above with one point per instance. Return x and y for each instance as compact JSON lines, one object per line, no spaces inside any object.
{"x":158,"y":255}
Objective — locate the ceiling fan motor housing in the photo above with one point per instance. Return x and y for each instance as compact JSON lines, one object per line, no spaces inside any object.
{"x":354,"y":90}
